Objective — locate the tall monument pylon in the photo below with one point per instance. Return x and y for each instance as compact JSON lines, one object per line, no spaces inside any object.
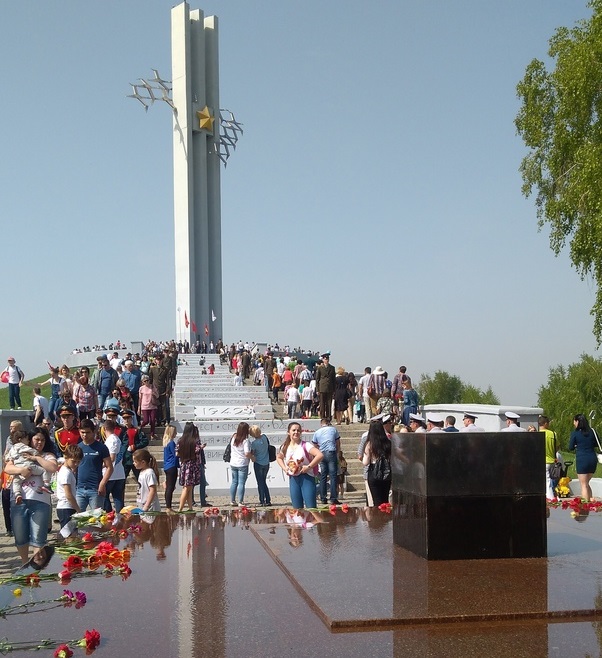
{"x":204,"y":137}
{"x":196,"y":172}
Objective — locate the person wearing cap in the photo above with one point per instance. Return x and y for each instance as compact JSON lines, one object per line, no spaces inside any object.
{"x":134,"y":438}
{"x":325,"y":380}
{"x":132,"y":377}
{"x":68,"y":434}
{"x":14,"y":379}
{"x":417,"y":424}
{"x":512,"y":423}
{"x":105,"y":382}
{"x":450,"y":424}
{"x":434,"y":423}
{"x":469,"y":423}
{"x":160,"y":380}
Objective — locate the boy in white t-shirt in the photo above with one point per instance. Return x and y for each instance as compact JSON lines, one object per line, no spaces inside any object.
{"x":40,"y":406}
{"x":67,"y":505}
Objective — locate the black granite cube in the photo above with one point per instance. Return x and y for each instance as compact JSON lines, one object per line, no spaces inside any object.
{"x":467,"y":495}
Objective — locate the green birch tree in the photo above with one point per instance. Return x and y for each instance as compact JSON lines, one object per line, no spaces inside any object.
{"x":560,"y":121}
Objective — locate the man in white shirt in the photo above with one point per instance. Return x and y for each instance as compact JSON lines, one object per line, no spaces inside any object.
{"x":115,"y":361}
{"x":512,"y":423}
{"x":469,"y":425}
{"x":14,"y":380}
{"x":363,"y":392}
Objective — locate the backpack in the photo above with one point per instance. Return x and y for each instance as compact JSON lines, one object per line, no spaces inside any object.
{"x":381,"y":469}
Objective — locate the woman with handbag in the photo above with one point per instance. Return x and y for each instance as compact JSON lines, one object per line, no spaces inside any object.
{"x":377,"y":457}
{"x":299,"y":459}
{"x":583,"y":440}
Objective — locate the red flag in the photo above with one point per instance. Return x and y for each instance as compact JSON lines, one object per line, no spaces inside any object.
{"x":186,"y":323}
{"x":193,"y":327}
{"x":206,"y":329}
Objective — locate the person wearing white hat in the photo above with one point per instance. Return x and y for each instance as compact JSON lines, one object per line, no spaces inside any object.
{"x":376,"y":387}
{"x":434,"y":423}
{"x":469,"y":423}
{"x":417,"y":424}
{"x":512,"y":423}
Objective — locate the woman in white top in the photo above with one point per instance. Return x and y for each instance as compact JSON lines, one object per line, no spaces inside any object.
{"x":239,"y":463}
{"x":299,"y":460}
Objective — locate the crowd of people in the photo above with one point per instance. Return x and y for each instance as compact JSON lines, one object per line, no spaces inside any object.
{"x":89,"y":435}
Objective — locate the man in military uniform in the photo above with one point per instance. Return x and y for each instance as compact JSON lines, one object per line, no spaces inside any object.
{"x":325,"y":376}
{"x":160,"y":380}
{"x":68,"y":434}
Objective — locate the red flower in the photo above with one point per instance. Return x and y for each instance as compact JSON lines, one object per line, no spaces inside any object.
{"x":104,"y":547}
{"x":65,"y":576}
{"x":33,"y":580}
{"x":73,"y":562}
{"x":344,"y":508}
{"x":215,"y":510}
{"x":92,"y":639}
{"x":125,"y":571}
{"x":385,"y":507}
{"x":123,"y":534}
{"x":88,"y":537}
{"x":333,"y":509}
{"x":63,"y":651}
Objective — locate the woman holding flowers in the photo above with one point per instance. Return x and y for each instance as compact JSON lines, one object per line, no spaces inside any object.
{"x":31,"y":518}
{"x":298,"y":460}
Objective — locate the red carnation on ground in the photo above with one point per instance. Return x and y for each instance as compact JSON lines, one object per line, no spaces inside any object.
{"x":63,"y":651}
{"x":91,"y":640}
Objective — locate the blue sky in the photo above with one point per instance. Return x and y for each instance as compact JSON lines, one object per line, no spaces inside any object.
{"x":372,"y":208}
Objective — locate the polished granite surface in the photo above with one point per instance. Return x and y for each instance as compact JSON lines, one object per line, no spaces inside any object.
{"x":443,"y":483}
{"x":274,"y":583}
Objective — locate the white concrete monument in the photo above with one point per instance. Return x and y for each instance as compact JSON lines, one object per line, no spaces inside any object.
{"x":203,"y":137}
{"x":196,"y":168}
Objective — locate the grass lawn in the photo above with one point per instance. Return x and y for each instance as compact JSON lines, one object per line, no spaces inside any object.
{"x":26,"y":392}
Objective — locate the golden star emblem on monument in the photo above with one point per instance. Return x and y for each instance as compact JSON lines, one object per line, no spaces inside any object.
{"x":206,"y":119}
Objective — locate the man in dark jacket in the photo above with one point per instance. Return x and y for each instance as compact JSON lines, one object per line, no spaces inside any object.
{"x":160,"y":380}
{"x":325,"y":376}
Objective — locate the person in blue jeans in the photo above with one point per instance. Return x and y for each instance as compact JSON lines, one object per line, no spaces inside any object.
{"x":91,"y":482}
{"x":239,"y":463}
{"x":261,"y":464}
{"x":299,"y":459}
{"x":328,"y":440}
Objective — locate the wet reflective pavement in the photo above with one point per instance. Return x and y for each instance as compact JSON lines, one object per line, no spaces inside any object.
{"x":268,"y":583}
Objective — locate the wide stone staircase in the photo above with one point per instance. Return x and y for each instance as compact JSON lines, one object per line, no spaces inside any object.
{"x":216,"y":406}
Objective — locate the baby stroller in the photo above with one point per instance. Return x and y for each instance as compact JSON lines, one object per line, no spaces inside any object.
{"x":558,"y":473}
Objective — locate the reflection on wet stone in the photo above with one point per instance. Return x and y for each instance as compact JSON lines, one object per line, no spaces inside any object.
{"x":252,"y":583}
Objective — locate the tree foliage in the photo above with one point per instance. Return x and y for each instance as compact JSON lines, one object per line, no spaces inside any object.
{"x":576,"y":389}
{"x":444,"y":388}
{"x":560,"y":121}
